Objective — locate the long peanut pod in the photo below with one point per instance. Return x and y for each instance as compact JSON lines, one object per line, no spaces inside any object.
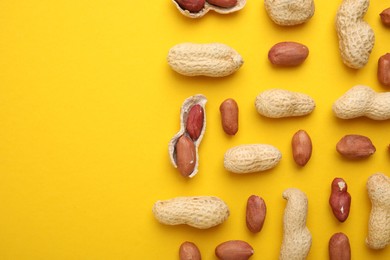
{"x":204,"y":59}
{"x":356,"y":37}
{"x":378,"y":188}
{"x":296,"y":236}
{"x":199,"y":211}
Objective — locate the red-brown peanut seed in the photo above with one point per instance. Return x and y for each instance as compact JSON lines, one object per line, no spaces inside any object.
{"x":288,"y":54}
{"x":301,"y":147}
{"x":194,"y":124}
{"x":384,"y":69}
{"x":234,"y":250}
{"x":255,"y":213}
{"x":340,"y":199}
{"x":229,"y":116}
{"x":189,"y":251}
{"x":223,"y":3}
{"x":339,"y":247}
{"x":193,"y":6}
{"x":185,"y":155}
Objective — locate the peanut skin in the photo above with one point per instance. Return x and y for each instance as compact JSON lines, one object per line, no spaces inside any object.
{"x":385,"y":17}
{"x":234,"y":250}
{"x":301,"y":147}
{"x":384,"y":69}
{"x":189,"y":251}
{"x":193,"y":6}
{"x":185,"y":155}
{"x":339,"y":247}
{"x":194,"y":124}
{"x":355,"y":147}
{"x":229,"y":116}
{"x":223,"y":3}
{"x":340,"y":199}
{"x":255,"y":213}
{"x":288,"y":54}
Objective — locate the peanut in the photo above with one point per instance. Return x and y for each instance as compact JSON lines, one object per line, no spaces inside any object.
{"x":355,"y":147}
{"x":288,"y":54}
{"x":234,"y":250}
{"x":297,"y":239}
{"x":193,"y":6}
{"x":339,"y":247}
{"x":229,"y":116}
{"x":363,"y":101}
{"x":184,"y":155}
{"x":385,"y":17}
{"x":223,"y":3}
{"x":278,"y":103}
{"x":189,"y":251}
{"x":207,"y":59}
{"x":195,"y":119}
{"x":255,"y":213}
{"x":301,"y":147}
{"x":200,"y":212}
{"x":384,"y":69}
{"x":340,"y":199}
{"x":289,"y":12}
{"x":356,"y":37}
{"x":251,"y":158}
{"x":219,"y":6}
{"x":378,"y":188}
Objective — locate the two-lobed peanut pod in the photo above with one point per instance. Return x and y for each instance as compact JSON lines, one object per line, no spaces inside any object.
{"x":204,"y":59}
{"x":297,"y":238}
{"x":278,"y":103}
{"x":356,"y":37}
{"x":198,"y":211}
{"x":363,"y":101}
{"x":250,"y":158}
{"x":378,"y":189}
{"x":289,"y":12}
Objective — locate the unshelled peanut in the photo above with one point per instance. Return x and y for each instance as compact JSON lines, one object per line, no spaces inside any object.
{"x":278,"y":103}
{"x":363,"y":101}
{"x":356,"y":37}
{"x":251,"y":158}
{"x":198,"y":211}
{"x":204,"y":59}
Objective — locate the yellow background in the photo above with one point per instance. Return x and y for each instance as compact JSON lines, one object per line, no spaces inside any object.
{"x":88,"y":105}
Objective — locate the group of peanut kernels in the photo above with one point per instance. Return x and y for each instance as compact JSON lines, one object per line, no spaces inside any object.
{"x":356,"y":40}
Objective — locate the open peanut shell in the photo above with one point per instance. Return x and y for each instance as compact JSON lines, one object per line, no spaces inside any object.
{"x":207,"y":7}
{"x":198,"y":99}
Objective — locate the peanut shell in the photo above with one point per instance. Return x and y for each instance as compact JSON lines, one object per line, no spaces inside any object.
{"x":251,"y":158}
{"x":204,"y":59}
{"x":184,"y":113}
{"x":210,"y":7}
{"x":200,"y":212}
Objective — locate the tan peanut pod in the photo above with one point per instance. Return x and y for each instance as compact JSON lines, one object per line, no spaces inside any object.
{"x":296,"y":236}
{"x":199,"y":211}
{"x":278,"y":103}
{"x":250,"y":158}
{"x":198,"y":99}
{"x":363,"y":101}
{"x":210,"y":7}
{"x":289,"y":12}
{"x":204,"y":59}
{"x":356,"y":37}
{"x":378,"y":188}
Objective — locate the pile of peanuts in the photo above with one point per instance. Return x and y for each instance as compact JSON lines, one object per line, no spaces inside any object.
{"x":356,"y":40}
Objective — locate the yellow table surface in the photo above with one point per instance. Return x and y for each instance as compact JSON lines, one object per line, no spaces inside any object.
{"x":88,"y":105}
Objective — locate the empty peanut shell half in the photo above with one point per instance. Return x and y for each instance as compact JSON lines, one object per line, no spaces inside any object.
{"x":198,"y":8}
{"x":183,"y":147}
